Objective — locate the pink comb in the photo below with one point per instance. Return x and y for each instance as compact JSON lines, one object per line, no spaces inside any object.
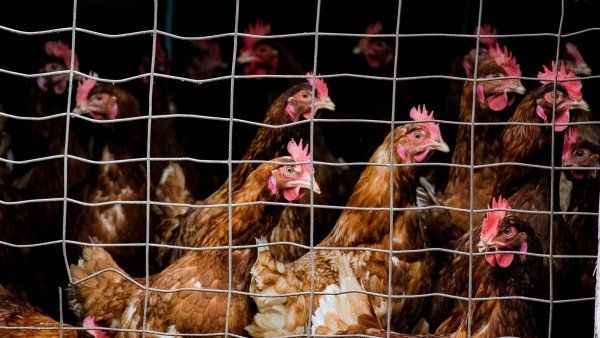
{"x":420,"y":114}
{"x":60,"y":50}
{"x":259,"y":28}
{"x":83,"y":91}
{"x":570,"y":138}
{"x":493,"y":218}
{"x":505,"y":59}
{"x":320,"y":86}
{"x":574,"y":53}
{"x":299,"y":154}
{"x":488,"y":30}
{"x":573,"y":87}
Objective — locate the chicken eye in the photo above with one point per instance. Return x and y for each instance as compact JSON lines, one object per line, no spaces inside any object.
{"x":417,"y":135}
{"x":580,"y":153}
{"x":289,"y":170}
{"x":508,"y":232}
{"x":262,"y":49}
{"x":305,"y":95}
{"x":97,"y":97}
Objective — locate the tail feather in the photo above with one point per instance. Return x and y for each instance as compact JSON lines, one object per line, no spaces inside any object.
{"x":104,"y":295}
{"x":347,"y":308}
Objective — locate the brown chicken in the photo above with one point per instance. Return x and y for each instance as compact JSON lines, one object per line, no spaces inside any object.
{"x":494,"y":99}
{"x":113,"y":222}
{"x":357,"y":228}
{"x":115,"y":301}
{"x":378,"y":53}
{"x":291,"y":106}
{"x":17,"y":313}
{"x":589,"y":132}
{"x":583,"y":228}
{"x":525,"y":188}
{"x":506,"y":274}
{"x":348,"y":312}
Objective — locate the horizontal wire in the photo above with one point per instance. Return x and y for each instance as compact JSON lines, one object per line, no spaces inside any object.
{"x":291,"y":244}
{"x":289,"y":35}
{"x":318,"y":293}
{"x":287,"y":204}
{"x":278,"y":76}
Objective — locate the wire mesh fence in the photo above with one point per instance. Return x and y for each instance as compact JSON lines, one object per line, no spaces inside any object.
{"x":396,"y":119}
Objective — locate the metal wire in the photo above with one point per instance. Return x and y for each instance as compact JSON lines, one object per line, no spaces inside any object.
{"x":148,"y":168}
{"x":73,"y":74}
{"x":472,"y":173}
{"x":552,"y":171}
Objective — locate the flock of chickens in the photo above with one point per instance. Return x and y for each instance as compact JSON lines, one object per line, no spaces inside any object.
{"x":422,"y":253}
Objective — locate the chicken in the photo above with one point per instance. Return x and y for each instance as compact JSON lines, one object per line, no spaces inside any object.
{"x":206,"y":60}
{"x":574,"y":60}
{"x":583,"y":228}
{"x":115,"y":301}
{"x":464,"y":67}
{"x":291,"y":106}
{"x":347,"y":311}
{"x":494,"y":99}
{"x":589,"y":132}
{"x":264,"y":56}
{"x":526,"y":188}
{"x":505,"y":274}
{"x":378,"y":53}
{"x":412,"y":143}
{"x":32,"y":139}
{"x":113,"y":222}
{"x":33,"y":322}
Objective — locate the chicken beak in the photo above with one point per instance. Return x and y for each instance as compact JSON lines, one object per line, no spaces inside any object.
{"x":307,"y":184}
{"x":246,"y":58}
{"x":516,"y":87}
{"x":357,"y":50}
{"x":440,"y":145}
{"x":579,"y":104}
{"x":484,"y":244}
{"x":325,"y":103}
{"x":80,"y":110}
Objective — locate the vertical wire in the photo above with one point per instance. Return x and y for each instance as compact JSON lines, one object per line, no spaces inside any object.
{"x":229,"y":166}
{"x":552,"y":172}
{"x":472,"y":172}
{"x":391,"y":180}
{"x":311,"y":252}
{"x":597,"y":307}
{"x":60,"y":313}
{"x":148,"y":165}
{"x":66,"y":145}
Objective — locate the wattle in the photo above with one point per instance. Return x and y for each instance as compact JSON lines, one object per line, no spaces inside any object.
{"x":498,"y":102}
{"x":501,"y":259}
{"x":293,"y":194}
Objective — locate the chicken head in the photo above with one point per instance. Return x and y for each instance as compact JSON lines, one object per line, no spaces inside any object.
{"x":419,"y":139}
{"x":293,"y":179}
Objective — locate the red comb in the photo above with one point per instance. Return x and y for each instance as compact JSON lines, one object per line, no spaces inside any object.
{"x":259,"y":28}
{"x":299,"y":153}
{"x":570,"y":138}
{"x":505,"y":59}
{"x":83,"y":91}
{"x":574,"y":53}
{"x":573,"y":87}
{"x":60,"y":50}
{"x":488,"y":30}
{"x":320,"y":85}
{"x":493,"y":218}
{"x":420,"y":114}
